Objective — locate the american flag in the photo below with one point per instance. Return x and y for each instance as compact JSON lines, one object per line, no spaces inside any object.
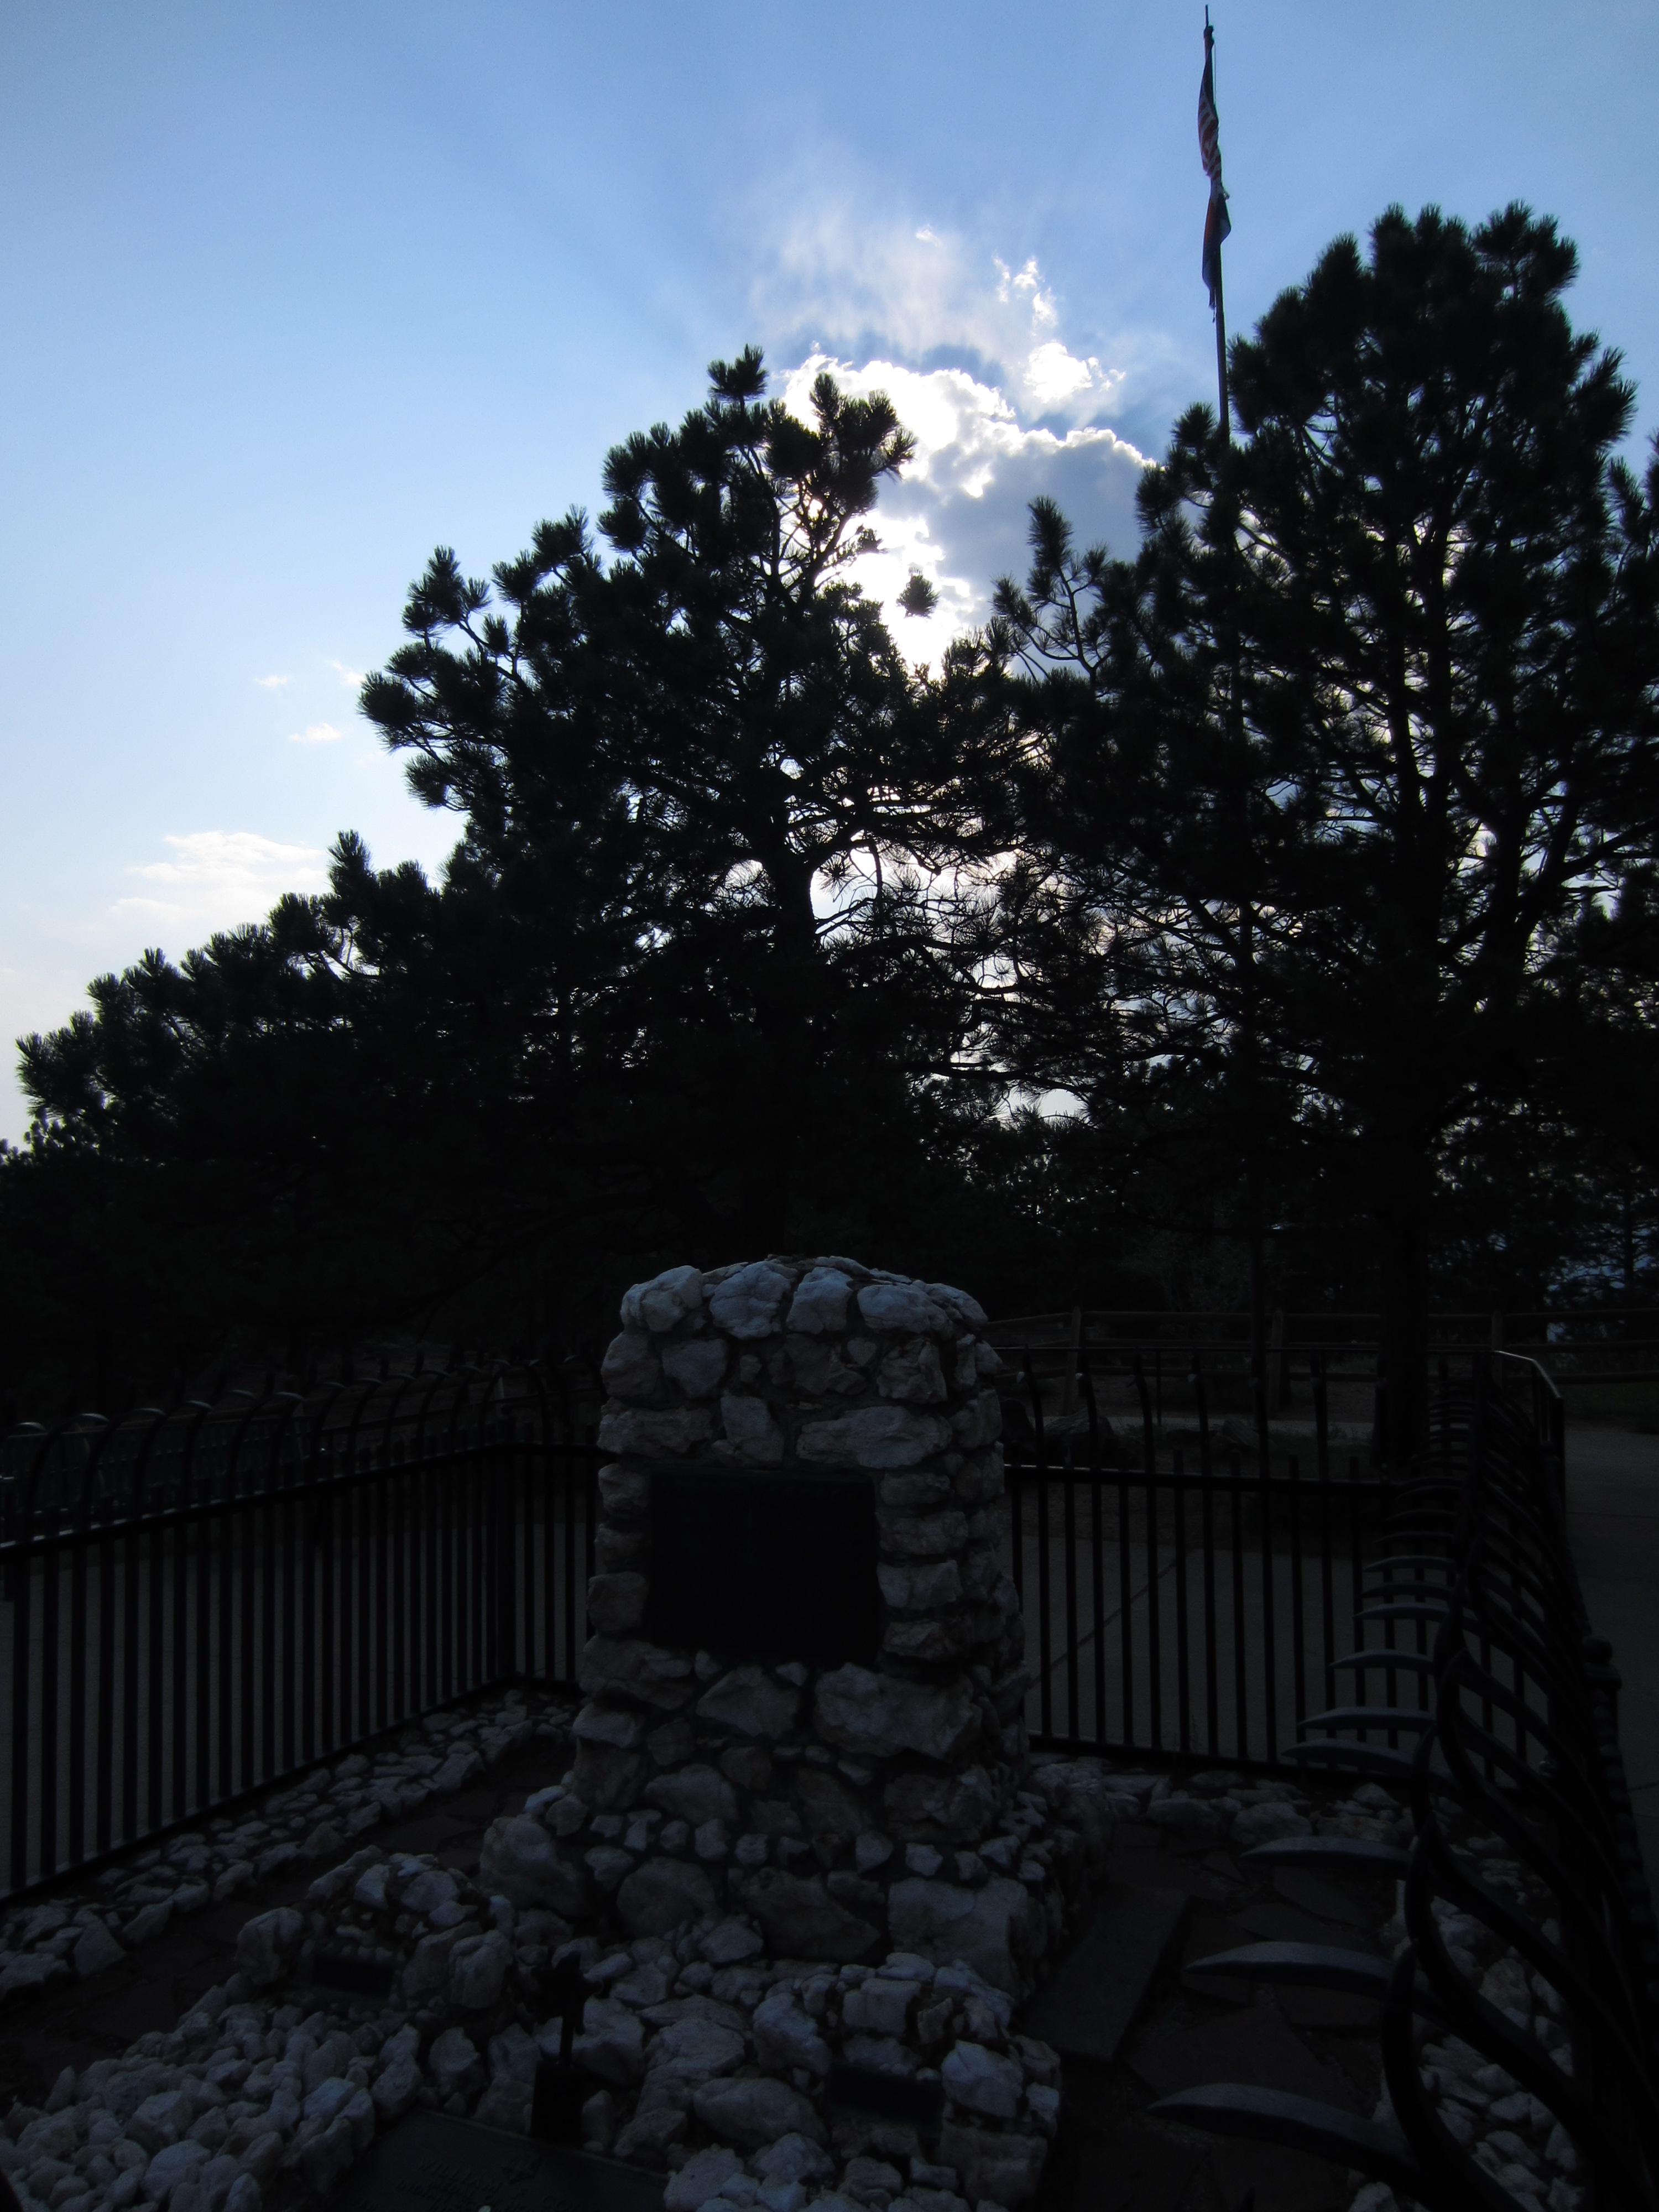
{"x":1217,"y":223}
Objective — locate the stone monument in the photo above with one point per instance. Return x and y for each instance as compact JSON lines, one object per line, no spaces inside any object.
{"x":805,"y":1688}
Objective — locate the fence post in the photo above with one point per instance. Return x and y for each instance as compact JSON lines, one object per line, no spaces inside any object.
{"x":1073,"y":1341}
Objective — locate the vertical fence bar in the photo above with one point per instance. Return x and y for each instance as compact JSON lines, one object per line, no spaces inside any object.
{"x":1299,"y":1630}
{"x":1154,"y":1622}
{"x":79,"y":1672}
{"x":570,"y":1570}
{"x":1241,"y":1686}
{"x":1183,"y":1662}
{"x":204,"y":1719}
{"x":1357,"y":1558}
{"x":1269,"y":1626}
{"x":182,"y":1550}
{"x":398,"y":1479}
{"x":130,"y":1649}
{"x":1096,"y":1558}
{"x":1068,"y":1509}
{"x":49,"y":1641}
{"x":1327,"y":1564}
{"x":22,"y":1571}
{"x":271,"y":1759}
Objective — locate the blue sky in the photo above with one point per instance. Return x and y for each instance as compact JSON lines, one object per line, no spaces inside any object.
{"x":293,"y":293}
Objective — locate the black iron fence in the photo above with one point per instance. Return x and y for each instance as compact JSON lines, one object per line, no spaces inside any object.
{"x":197,"y":1605}
{"x":1182,"y":1600}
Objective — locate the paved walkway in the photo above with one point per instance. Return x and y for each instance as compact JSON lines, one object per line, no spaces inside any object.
{"x":1613,"y":1517}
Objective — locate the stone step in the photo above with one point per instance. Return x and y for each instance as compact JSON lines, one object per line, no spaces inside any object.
{"x":1090,"y":2002}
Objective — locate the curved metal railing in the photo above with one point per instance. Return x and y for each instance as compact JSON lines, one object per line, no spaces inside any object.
{"x":1510,"y":1746}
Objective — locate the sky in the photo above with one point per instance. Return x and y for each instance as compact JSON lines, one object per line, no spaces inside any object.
{"x":292,"y":294}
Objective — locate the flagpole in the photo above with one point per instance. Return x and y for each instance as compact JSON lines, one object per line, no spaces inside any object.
{"x":1220,"y":305}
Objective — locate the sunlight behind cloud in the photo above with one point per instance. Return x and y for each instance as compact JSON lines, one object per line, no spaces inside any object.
{"x":217,"y":879}
{"x":958,"y":513}
{"x":970,"y":349}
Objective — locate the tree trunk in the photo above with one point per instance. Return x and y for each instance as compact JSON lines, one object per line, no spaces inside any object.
{"x":1402,"y":1225}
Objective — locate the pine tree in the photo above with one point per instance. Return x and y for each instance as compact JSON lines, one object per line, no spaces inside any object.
{"x":1335,"y":762}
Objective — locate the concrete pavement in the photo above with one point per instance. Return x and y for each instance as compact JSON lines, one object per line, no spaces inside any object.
{"x":1612,"y":1519}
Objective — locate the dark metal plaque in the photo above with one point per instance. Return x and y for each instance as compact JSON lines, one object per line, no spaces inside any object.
{"x":764,"y":1566}
{"x":428,"y":2162}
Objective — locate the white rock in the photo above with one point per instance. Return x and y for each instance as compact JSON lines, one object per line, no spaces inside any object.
{"x":755,"y":2112}
{"x":612,"y":2042}
{"x":453,"y":2062}
{"x":820,"y":1301}
{"x":751,"y":1700}
{"x":966,"y":1309}
{"x":785,"y":2036}
{"x":96,"y":1950}
{"x":983,"y":2081}
{"x":665,"y":1301}
{"x":995,"y":1929}
{"x":179,"y":2162}
{"x":648,"y":1435}
{"x":267,"y":1944}
{"x":912,"y":1372}
{"x":793,"y":2158}
{"x":697,"y":1364}
{"x":31,"y":1971}
{"x":695,"y":2050}
{"x":396,"y":2089}
{"x":462,"y":1765}
{"x":874,"y":1437}
{"x":507,"y":2104}
{"x":629,"y":1368}
{"x":880,"y":1715}
{"x":245,"y":2195}
{"x":161,"y":2119}
{"x":217,"y":2180}
{"x":520,"y":1861}
{"x":329,"y":2097}
{"x":431,"y":1887}
{"x":370,"y":1886}
{"x":746,"y":1303}
{"x":145,"y":1926}
{"x":478,"y":1969}
{"x":326,"y":2157}
{"x":904,"y":1306}
{"x":750,"y":1430}
{"x":882,"y":2007}
{"x":235,"y":1876}
{"x":700,"y":2179}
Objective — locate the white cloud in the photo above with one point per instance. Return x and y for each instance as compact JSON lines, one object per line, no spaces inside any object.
{"x":972,"y":351}
{"x":351,"y":677}
{"x":957,"y":514}
{"x":272,"y":682}
{"x":316,"y":733}
{"x":1053,"y":374}
{"x":215,"y":878}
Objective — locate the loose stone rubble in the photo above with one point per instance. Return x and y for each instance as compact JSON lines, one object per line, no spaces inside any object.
{"x":302,"y":1822}
{"x":708,"y":2059}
